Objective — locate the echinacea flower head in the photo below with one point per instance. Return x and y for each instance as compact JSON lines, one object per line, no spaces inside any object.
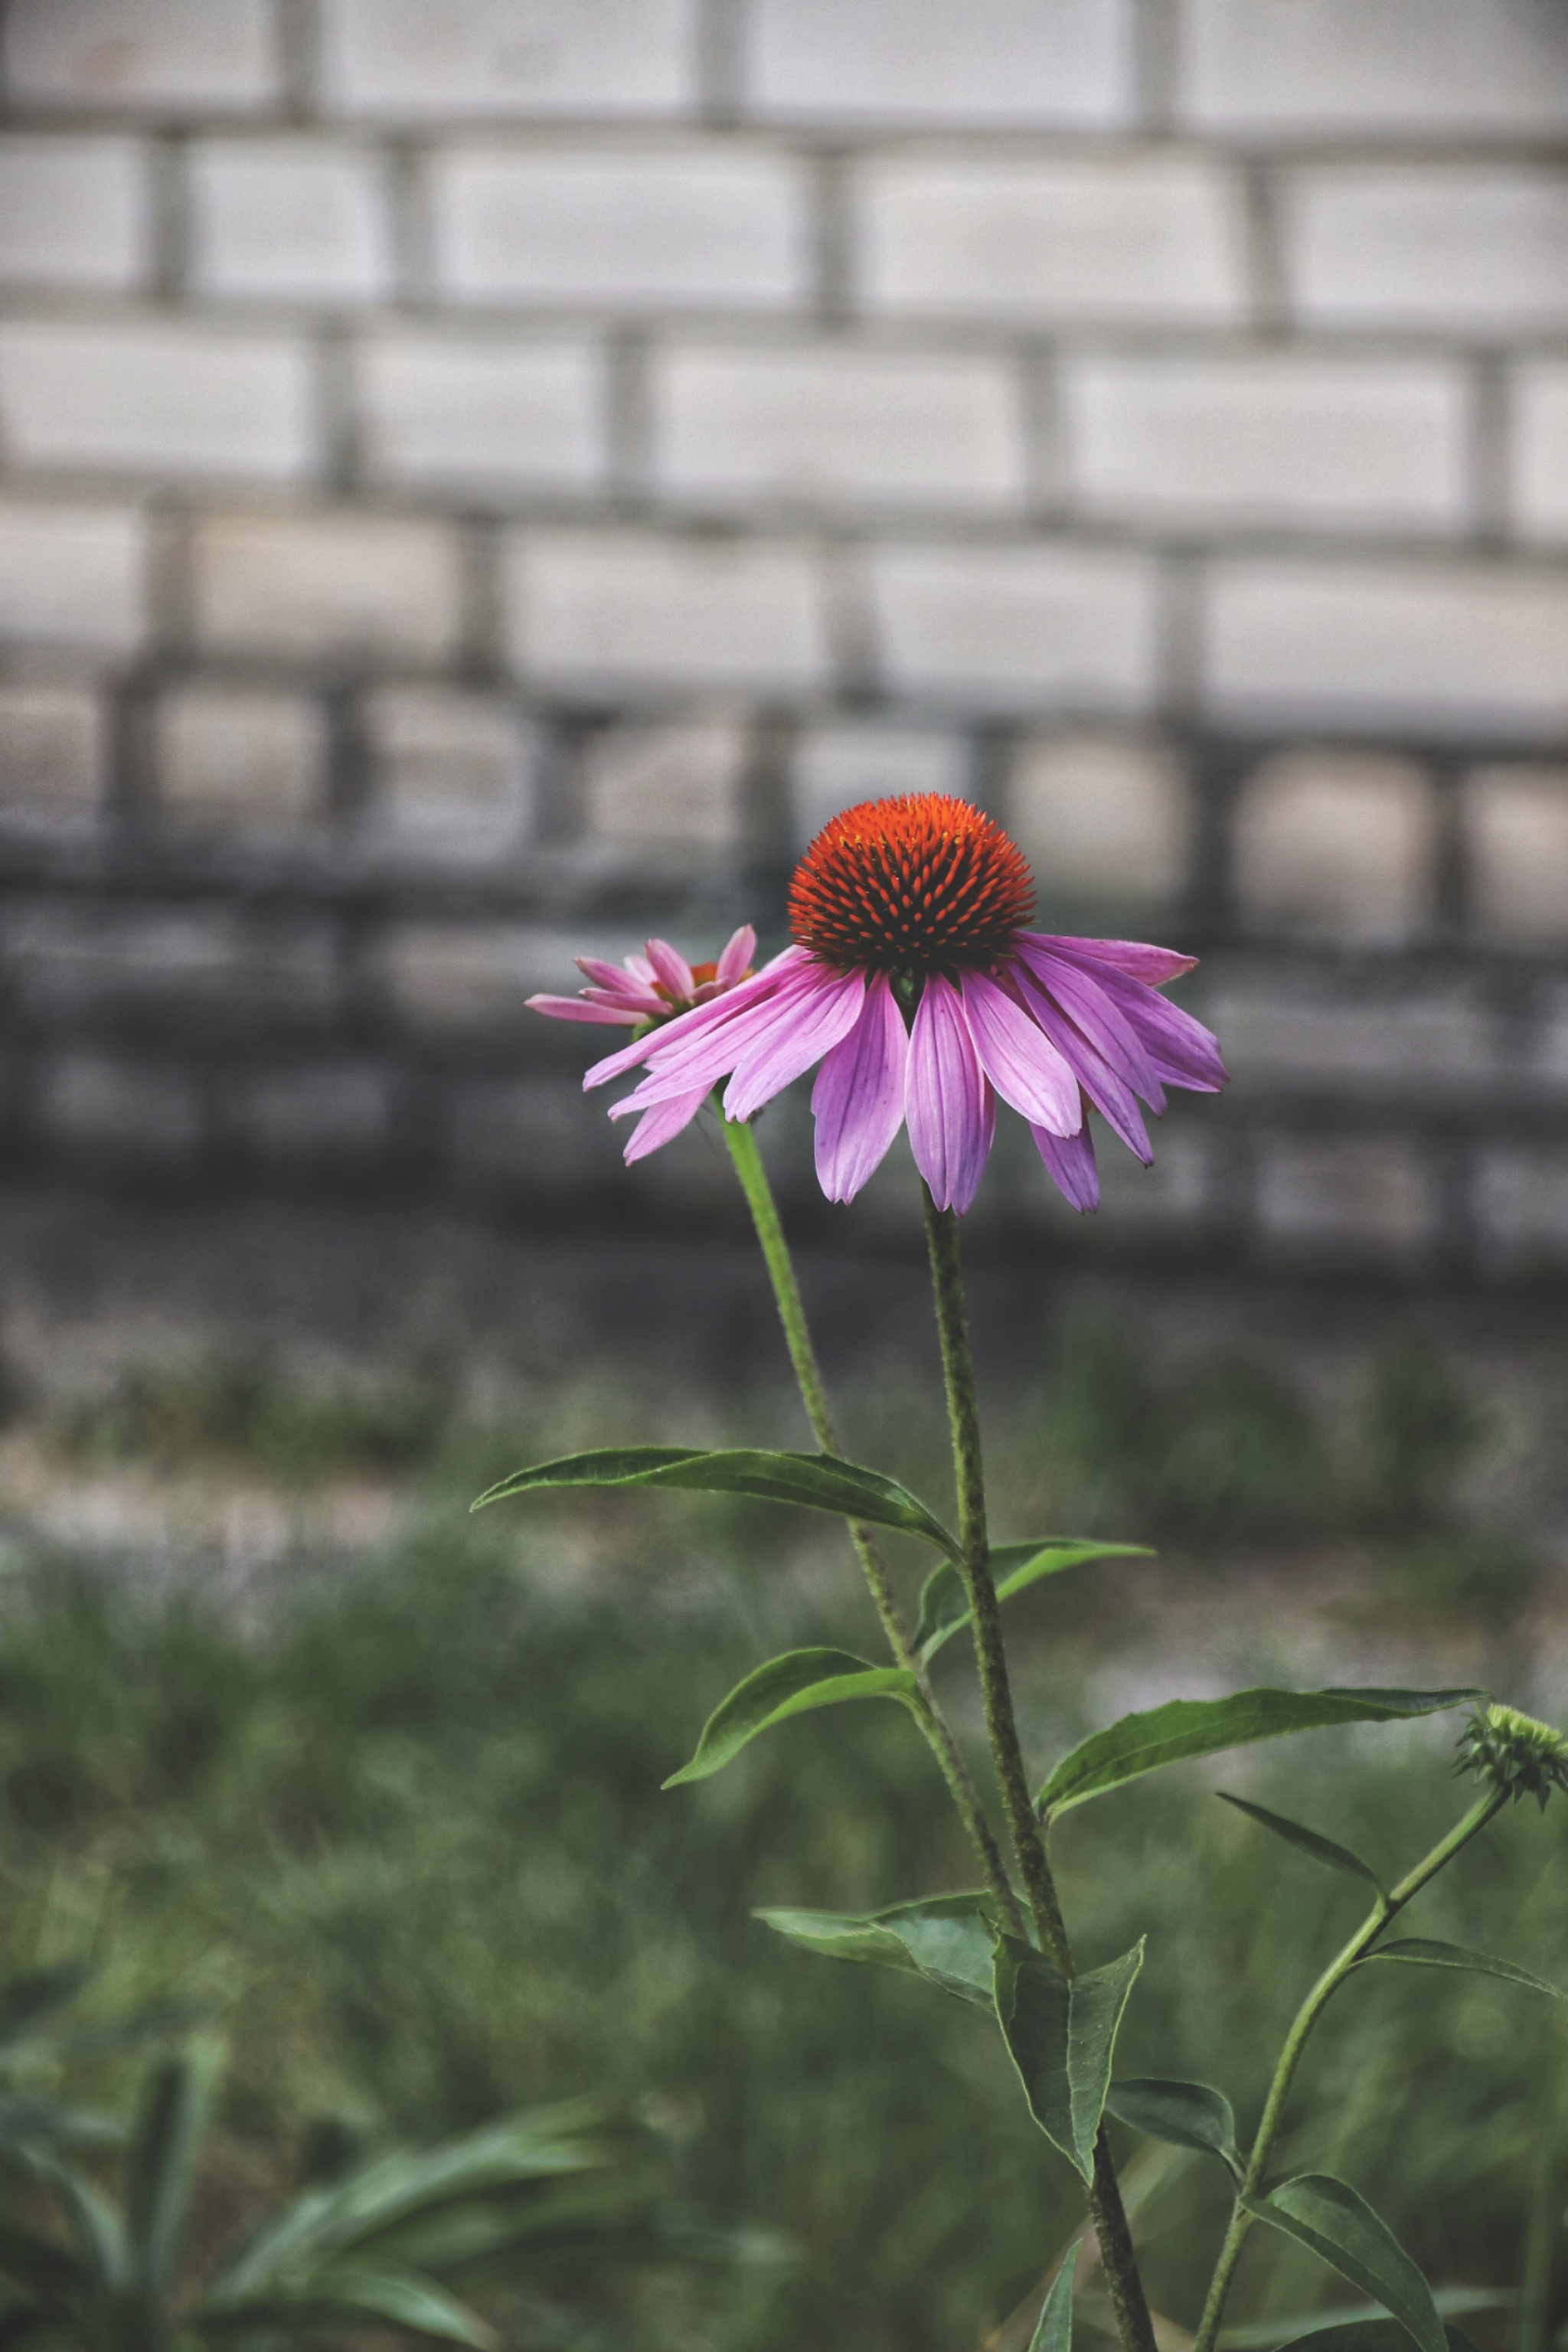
{"x":911,"y":980}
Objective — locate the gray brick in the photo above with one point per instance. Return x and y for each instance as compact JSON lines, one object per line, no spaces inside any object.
{"x":73,"y":211}
{"x":605,"y":227}
{"x":161,"y":55}
{"x":836,"y":767}
{"x":827,"y":425}
{"x":1335,"y":845}
{"x":73,"y":576}
{"x":1522,"y":1207}
{"x":1292,"y":1036}
{"x":1270,"y":441}
{"x":1156,"y":237}
{"x":330,"y":586}
{"x":471,"y":413}
{"x":1539,"y":489}
{"x":1475,"y":649}
{"x":1024,"y":628}
{"x":1427,"y":67}
{"x":450,"y":977}
{"x":1516,"y":830}
{"x":532,"y":1136}
{"x":597,"y":611}
{"x":543,"y":59}
{"x":1346,"y":1197}
{"x":165,"y":399}
{"x":242,"y":758}
{"x":1064,"y":63}
{"x":53,"y":752}
{"x":316,"y":1115}
{"x":289,"y":219}
{"x":1103,"y":821}
{"x":673,"y":790}
{"x":454,"y":770}
{"x":192,"y":968}
{"x":106,"y":1110}
{"x":1440,"y":247}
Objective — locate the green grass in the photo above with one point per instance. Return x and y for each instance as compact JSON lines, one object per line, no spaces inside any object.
{"x":399,"y":1822}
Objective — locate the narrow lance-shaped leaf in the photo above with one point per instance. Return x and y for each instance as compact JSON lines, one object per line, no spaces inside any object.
{"x":1187,"y":2115}
{"x":1354,"y":2327}
{"x":1052,"y":2332}
{"x":1427,"y":1952}
{"x":944,"y":1604}
{"x":159,"y":2163}
{"x":1338,"y":2224}
{"x":344,"y":2291}
{"x":1186,"y":1728}
{"x":819,"y":1482}
{"x":793,"y":1685}
{"x":1362,"y":2335}
{"x":946,"y":1939}
{"x":1321,"y":1849}
{"x":1061,"y":2033}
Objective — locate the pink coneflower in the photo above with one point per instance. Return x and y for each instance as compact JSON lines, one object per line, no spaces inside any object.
{"x":913,"y":982}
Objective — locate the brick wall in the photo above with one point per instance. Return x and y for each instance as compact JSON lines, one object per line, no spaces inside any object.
{"x":482,"y":479}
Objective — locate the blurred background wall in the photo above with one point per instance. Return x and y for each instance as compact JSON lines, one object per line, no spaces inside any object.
{"x":484,"y":480}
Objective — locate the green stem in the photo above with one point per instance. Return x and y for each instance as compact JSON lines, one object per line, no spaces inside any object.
{"x":1107,"y":2211}
{"x":748,"y":1161}
{"x":1384,"y":1909}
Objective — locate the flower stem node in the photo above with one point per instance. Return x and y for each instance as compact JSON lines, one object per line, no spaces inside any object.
{"x":1519,"y":1757}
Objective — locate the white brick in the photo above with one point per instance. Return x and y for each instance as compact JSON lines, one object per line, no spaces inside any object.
{"x":1335,"y":845}
{"x":1293,"y":1037}
{"x":865,"y":760}
{"x":73,"y":576}
{"x":1384,"y":645}
{"x":611,"y":609}
{"x":1100,"y":820}
{"x":241,"y":759}
{"x":158,"y":54}
{"x":1017,"y":627}
{"x":172,"y":400}
{"x":882,"y":427}
{"x":289,"y":218}
{"x":1145,"y":238}
{"x":1270,"y":442}
{"x":546,"y":59}
{"x":119,"y":1111}
{"x":455,"y":976}
{"x":73,"y":211}
{"x":1516,"y":832}
{"x":1445,"y":247}
{"x":1540,"y":459}
{"x":671,"y":789}
{"x":1521,"y":1206}
{"x":604,"y":228}
{"x":512,"y":414}
{"x":1338,"y":1196}
{"x":1064,"y":63}
{"x":1422,"y":66}
{"x":327,"y":585}
{"x":52,"y":751}
{"x":454,"y":772}
{"x":519,"y":1138}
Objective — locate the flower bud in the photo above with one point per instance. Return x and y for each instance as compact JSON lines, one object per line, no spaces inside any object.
{"x":1519,"y":1757}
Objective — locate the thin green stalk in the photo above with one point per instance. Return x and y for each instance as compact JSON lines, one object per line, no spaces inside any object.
{"x":1107,"y":2211}
{"x":1384,"y":1909}
{"x":748,"y":1161}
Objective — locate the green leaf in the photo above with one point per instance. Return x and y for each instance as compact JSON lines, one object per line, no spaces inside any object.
{"x":1338,"y":2224}
{"x":1360,"y":2322}
{"x":793,"y":1685}
{"x":1054,"y":2330}
{"x":1061,"y":2033}
{"x":1366,"y":2336}
{"x":818,"y":1481}
{"x":1188,"y":2115}
{"x":1321,"y":1849}
{"x":25,"y":2000}
{"x":345,"y":2291}
{"x":1426,"y":1952}
{"x":159,"y":2163}
{"x":946,"y":1939}
{"x":944,"y":1605}
{"x":1186,"y":1728}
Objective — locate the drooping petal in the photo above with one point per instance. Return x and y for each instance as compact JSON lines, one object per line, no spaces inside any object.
{"x":1069,"y":1160}
{"x":662,"y":1124}
{"x":1115,"y":1101}
{"x":858,"y":1101}
{"x":1181,"y":1050}
{"x":736,"y":960}
{"x":615,"y":975}
{"x":672,"y":969}
{"x":1153,"y":966}
{"x":577,"y":1008}
{"x":688,"y":1027}
{"x":1093,"y":1000}
{"x":945,"y":1098}
{"x":811,"y":1025}
{"x":1019,"y":1058}
{"x":705,"y":1059}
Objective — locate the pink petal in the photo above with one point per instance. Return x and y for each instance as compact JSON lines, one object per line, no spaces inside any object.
{"x":1094,"y":1000}
{"x":688,"y":1027}
{"x":661,"y":1124}
{"x":1019,"y":1058}
{"x":737,"y":957}
{"x":858,"y":1101}
{"x":804,"y":1031}
{"x":1069,"y":1160}
{"x":672,"y":969}
{"x":704,"y":1058}
{"x":640,"y":968}
{"x":945,"y":1098}
{"x":1181,"y":1050}
{"x":1152,"y":965}
{"x":1115,"y":1102}
{"x":575,"y":1008}
{"x":610,"y":975}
